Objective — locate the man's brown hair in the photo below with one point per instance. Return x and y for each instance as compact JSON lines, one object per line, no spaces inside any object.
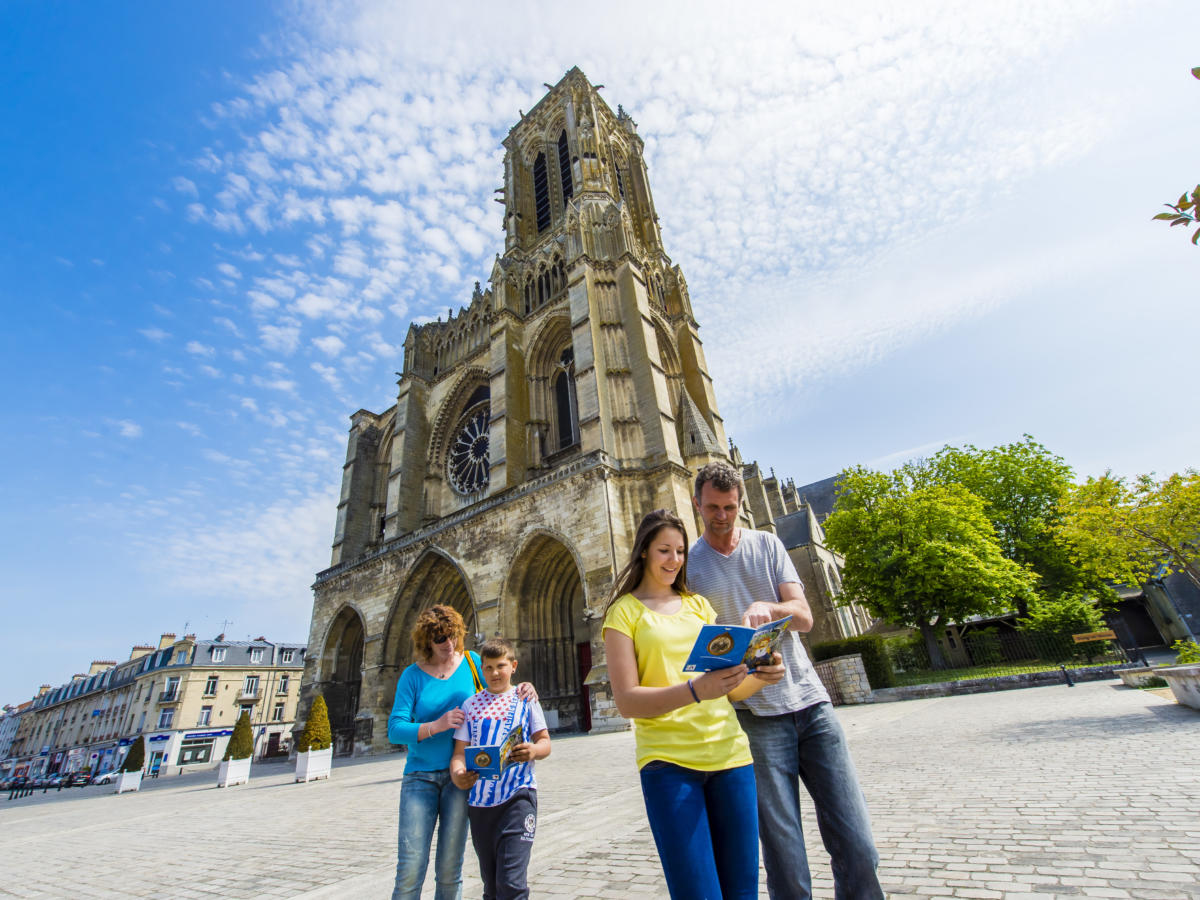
{"x":722,"y":476}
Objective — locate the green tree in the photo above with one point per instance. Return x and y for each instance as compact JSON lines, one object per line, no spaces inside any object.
{"x":241,"y":743}
{"x":921,"y":554}
{"x":317,"y":734}
{"x":1130,"y":532}
{"x":1022,"y":485}
{"x":136,"y":757}
{"x":1185,"y":211}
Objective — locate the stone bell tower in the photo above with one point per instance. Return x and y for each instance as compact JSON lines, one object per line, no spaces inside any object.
{"x":532,"y":430}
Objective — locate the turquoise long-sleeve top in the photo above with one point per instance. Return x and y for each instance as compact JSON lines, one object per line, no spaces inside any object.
{"x":422,"y":698}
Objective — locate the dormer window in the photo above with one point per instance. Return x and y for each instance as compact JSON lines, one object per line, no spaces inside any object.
{"x":218,"y":654}
{"x":256,"y":655}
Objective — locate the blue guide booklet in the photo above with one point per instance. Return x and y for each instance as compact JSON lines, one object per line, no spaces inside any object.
{"x":722,"y":646}
{"x":490,"y":762}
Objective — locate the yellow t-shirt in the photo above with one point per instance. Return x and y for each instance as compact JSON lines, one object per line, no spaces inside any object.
{"x":703,"y":736}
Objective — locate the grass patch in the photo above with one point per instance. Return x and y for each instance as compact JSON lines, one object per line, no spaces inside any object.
{"x":931,"y":676}
{"x":1154,"y":681}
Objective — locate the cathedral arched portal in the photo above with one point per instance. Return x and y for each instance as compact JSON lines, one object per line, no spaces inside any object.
{"x":544,"y":599}
{"x":341,"y":676}
{"x":434,"y":579}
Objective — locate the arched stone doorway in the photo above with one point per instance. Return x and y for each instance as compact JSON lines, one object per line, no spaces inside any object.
{"x":434,"y":580}
{"x":545,"y":601}
{"x":341,"y":677}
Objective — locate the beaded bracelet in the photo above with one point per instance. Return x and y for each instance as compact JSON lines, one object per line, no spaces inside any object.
{"x":693,"y":690}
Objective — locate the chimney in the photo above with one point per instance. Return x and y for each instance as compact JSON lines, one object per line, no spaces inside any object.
{"x":99,"y":665}
{"x":140,"y":650}
{"x":166,"y":641}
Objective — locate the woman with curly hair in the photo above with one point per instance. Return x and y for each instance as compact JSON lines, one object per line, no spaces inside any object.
{"x":424,"y":715}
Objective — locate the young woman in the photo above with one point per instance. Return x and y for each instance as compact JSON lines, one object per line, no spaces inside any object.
{"x":696,"y":771}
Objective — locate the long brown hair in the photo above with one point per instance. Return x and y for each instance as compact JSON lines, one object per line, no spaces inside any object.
{"x":437,"y":620}
{"x":631,"y":576}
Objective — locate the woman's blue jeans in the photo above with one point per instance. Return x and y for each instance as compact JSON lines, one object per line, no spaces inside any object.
{"x":426,"y":799}
{"x":705,"y":825}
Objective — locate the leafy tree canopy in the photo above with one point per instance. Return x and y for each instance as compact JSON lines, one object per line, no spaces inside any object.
{"x":919,"y":553}
{"x":1022,"y":485}
{"x":1131,"y":531}
{"x":1186,"y":210}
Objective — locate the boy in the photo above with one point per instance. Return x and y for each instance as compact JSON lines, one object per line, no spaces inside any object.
{"x":502,"y":813}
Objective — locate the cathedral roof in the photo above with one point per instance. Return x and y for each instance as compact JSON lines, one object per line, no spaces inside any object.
{"x":695,"y":436}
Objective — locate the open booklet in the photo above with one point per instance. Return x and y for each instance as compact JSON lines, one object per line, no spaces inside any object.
{"x":722,"y":646}
{"x":490,"y":762}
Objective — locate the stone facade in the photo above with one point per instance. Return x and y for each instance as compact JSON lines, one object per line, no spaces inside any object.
{"x":531,"y":432}
{"x":845,"y":678}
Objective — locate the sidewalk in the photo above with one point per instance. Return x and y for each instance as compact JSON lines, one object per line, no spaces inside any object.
{"x":1090,"y":791}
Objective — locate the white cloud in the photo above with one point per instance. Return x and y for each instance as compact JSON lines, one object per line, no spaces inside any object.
{"x":128,"y":429}
{"x":198,"y":349}
{"x":154,"y":334}
{"x":283,"y":338}
{"x":330,"y":345}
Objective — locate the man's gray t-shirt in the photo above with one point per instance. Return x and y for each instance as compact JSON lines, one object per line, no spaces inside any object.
{"x":758,"y":565}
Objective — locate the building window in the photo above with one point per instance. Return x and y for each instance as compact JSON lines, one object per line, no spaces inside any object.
{"x":283,"y":684}
{"x":564,"y":169}
{"x":195,"y":751}
{"x":172,"y":689}
{"x":285,"y":656}
{"x":256,"y":655}
{"x":165,"y":718}
{"x":180,"y":657}
{"x":248,"y":709}
{"x":250,"y":688}
{"x":564,"y":400}
{"x":218,"y":654}
{"x":277,"y":713}
{"x":205,"y":716}
{"x":210,"y":686}
{"x":541,"y":193}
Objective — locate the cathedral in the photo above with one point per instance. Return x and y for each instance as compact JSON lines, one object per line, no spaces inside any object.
{"x":531,"y":432}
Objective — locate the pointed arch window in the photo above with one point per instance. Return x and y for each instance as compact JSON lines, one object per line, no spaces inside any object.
{"x":565,"y":405}
{"x":564,"y":169}
{"x":541,"y":193}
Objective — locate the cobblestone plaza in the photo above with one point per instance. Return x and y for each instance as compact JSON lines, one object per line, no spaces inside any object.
{"x":1090,"y":791}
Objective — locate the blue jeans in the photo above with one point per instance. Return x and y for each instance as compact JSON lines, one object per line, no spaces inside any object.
{"x":705,"y":829}
{"x":427,"y":798}
{"x":808,"y":745}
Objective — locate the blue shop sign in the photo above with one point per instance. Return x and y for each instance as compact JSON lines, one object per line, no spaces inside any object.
{"x":205,"y":734}
{"x":160,"y":737}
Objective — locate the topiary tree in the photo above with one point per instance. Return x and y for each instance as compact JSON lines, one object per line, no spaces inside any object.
{"x":317,"y":734}
{"x":136,"y":757}
{"x":241,"y":744}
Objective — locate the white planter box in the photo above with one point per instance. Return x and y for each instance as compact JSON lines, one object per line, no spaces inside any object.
{"x":1184,"y":682}
{"x":314,"y":764}
{"x":129,"y":781}
{"x":233,"y":771}
{"x":1137,"y":678}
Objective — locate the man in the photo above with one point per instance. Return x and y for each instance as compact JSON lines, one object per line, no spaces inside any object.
{"x":794,"y":735}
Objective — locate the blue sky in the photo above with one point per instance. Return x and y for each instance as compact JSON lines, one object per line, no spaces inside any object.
{"x":900,"y":229}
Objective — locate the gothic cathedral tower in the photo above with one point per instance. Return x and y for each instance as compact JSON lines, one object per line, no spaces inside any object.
{"x":531,"y":432}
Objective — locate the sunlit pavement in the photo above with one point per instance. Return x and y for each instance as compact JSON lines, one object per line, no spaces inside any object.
{"x":1088,"y":791}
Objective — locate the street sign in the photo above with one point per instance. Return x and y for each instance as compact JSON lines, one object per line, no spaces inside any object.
{"x":1107,"y":635}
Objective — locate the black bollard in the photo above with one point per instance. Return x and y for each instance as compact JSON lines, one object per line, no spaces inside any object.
{"x":1066,"y":676}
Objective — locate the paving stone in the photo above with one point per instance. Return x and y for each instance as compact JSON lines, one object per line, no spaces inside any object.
{"x":1025,"y":795}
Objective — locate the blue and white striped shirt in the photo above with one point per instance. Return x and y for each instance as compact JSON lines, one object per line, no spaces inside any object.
{"x":490,"y":717}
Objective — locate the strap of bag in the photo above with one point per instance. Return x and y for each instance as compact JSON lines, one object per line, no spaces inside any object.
{"x":474,"y":671}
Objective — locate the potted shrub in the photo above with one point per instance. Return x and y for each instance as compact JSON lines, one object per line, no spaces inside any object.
{"x":314,"y":749}
{"x":235,"y":766}
{"x":130,"y":778}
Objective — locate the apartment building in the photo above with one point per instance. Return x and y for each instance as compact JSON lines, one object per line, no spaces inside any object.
{"x":183,"y":696}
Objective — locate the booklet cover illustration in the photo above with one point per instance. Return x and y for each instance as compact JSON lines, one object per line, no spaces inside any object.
{"x":490,"y":762}
{"x":722,"y":646}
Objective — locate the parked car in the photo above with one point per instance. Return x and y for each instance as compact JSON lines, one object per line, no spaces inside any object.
{"x":105,"y":778}
{"x":78,"y":779}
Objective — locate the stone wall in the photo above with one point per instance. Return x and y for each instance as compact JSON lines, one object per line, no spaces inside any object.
{"x":845,"y":679}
